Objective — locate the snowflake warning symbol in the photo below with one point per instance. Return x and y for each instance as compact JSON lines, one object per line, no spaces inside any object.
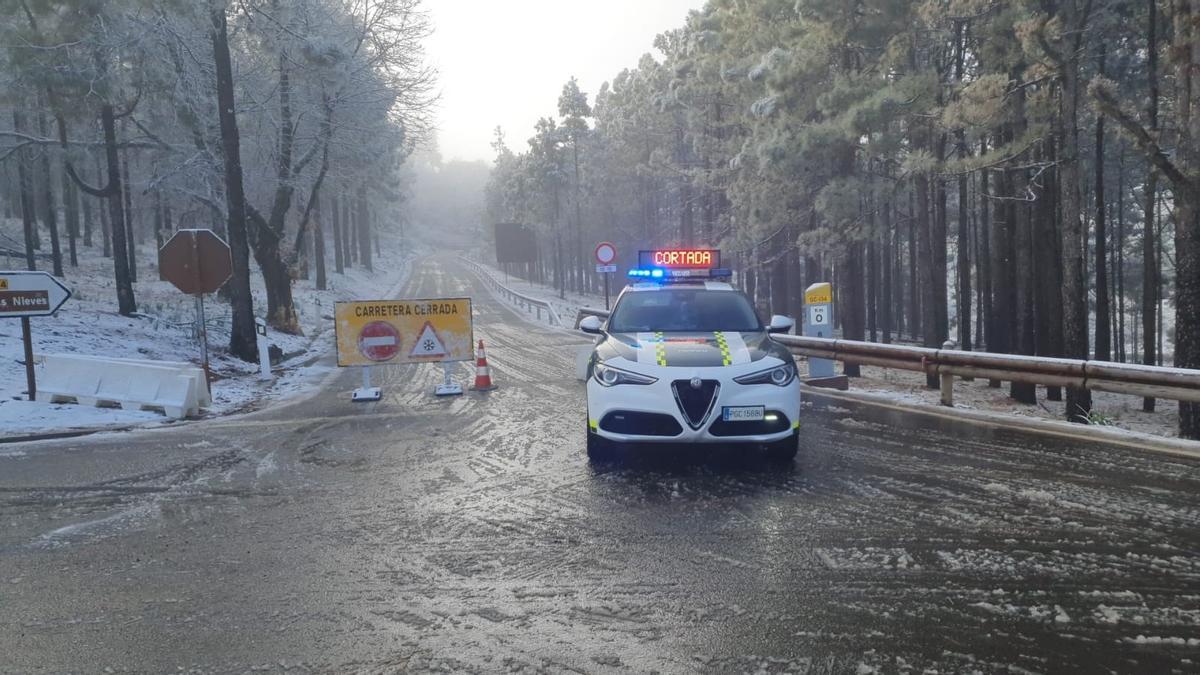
{"x":428,"y":345}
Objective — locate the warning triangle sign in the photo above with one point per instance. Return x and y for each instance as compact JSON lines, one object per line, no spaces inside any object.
{"x":429,"y":345}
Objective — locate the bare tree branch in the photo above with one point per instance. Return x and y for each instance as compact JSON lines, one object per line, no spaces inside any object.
{"x":1102,"y":94}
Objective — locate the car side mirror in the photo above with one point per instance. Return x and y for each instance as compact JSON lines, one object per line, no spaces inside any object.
{"x":591,"y":325}
{"x":781,"y":324}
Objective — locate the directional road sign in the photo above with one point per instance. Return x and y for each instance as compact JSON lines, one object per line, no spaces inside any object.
{"x":26,"y":294}
{"x":196,"y":261}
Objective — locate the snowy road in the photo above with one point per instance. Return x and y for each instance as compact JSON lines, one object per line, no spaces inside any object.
{"x":471,"y":534}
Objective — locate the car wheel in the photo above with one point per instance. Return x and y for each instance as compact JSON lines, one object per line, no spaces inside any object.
{"x":784,"y":451}
{"x":598,"y":449}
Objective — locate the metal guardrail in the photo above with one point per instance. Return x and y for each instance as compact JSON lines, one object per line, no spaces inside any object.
{"x":528,"y":303}
{"x":1176,"y":384}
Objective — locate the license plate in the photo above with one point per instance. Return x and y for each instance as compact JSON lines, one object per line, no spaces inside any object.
{"x":745,"y":413}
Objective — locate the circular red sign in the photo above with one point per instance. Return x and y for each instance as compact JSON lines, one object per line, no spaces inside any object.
{"x":605,"y":253}
{"x":379,"y":341}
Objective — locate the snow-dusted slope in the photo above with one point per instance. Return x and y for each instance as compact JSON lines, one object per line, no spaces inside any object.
{"x":89,"y":324}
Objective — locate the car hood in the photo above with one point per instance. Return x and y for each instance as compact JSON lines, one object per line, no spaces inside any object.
{"x":691,"y":350}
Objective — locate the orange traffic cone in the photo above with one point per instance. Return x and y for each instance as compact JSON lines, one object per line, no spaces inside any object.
{"x":483,"y":372}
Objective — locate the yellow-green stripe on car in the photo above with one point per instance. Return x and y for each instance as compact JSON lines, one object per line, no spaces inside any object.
{"x":723,"y":345}
{"x":660,"y":349}
{"x":593,"y":424}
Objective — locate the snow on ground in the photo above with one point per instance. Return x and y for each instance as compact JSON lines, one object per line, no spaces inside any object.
{"x":163,"y":331}
{"x":1117,"y":410}
{"x":567,"y":306}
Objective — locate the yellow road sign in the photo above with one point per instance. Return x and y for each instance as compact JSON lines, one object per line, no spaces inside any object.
{"x":819,"y":294}
{"x":381,"y":332}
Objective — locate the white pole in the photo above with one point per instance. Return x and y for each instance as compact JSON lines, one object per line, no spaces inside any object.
{"x":264,"y":352}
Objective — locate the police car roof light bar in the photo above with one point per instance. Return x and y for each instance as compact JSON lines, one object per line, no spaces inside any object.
{"x":668,"y":275}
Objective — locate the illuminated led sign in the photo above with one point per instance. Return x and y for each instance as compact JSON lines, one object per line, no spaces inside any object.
{"x":680,"y":258}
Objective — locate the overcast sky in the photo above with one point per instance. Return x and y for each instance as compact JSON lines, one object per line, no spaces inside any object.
{"x":504,"y":62}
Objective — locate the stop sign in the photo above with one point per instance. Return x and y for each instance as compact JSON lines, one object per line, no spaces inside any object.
{"x":196,"y":261}
{"x":379,"y":341}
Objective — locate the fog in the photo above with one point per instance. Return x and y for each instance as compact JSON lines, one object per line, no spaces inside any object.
{"x":503,"y":63}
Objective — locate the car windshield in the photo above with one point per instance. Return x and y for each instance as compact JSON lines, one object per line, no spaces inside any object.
{"x":683,"y":310}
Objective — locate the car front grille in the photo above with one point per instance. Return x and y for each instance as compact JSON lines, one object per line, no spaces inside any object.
{"x":695,"y":404}
{"x":640,"y":423}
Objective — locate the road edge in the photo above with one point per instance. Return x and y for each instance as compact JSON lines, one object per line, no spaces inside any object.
{"x":1124,"y":438}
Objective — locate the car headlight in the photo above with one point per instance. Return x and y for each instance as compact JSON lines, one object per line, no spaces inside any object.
{"x":780,"y":376}
{"x":610,"y":377}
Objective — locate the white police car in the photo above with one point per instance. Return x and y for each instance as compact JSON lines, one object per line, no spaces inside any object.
{"x":685,"y":359}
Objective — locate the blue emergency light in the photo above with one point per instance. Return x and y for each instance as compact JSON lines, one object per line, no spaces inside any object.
{"x":659,"y":274}
{"x":646,"y":273}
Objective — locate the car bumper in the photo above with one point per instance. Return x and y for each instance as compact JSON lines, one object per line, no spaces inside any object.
{"x":625,"y":413}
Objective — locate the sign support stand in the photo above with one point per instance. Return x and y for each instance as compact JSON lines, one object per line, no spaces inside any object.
{"x":448,"y":387}
{"x":202,"y":333}
{"x":606,"y":254}
{"x":30,"y":377}
{"x":367,"y":392}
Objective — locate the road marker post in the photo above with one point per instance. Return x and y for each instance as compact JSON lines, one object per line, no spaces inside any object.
{"x":947,"y":380}
{"x":818,"y":322}
{"x":393,"y":332}
{"x":264,"y":350}
{"x":29,"y":294}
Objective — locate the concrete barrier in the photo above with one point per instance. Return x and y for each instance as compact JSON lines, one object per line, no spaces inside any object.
{"x":177,"y":389}
{"x":196,"y":373}
{"x":189,"y":369}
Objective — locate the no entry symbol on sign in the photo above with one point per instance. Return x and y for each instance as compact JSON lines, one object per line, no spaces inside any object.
{"x":379,"y":341}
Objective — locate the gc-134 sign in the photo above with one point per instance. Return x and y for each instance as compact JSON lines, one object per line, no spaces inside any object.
{"x":26,"y":294}
{"x":382,"y":332}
